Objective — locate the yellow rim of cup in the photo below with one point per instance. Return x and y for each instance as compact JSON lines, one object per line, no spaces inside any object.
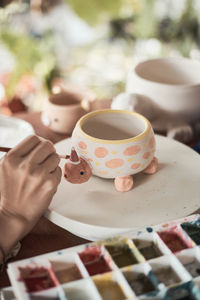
{"x":106,"y":111}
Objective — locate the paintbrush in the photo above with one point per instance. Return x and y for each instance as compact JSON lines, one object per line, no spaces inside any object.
{"x":6,"y":149}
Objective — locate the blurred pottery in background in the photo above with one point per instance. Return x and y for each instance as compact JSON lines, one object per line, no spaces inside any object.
{"x":167,"y":92}
{"x":112,"y":144}
{"x":64,"y":109}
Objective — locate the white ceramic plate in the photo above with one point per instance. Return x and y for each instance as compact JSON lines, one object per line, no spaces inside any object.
{"x":13,"y":131}
{"x":95,"y":210}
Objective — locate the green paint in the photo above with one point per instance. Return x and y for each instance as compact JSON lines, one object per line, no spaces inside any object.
{"x":193,"y":230}
{"x":167,"y":275}
{"x":139,"y":283}
{"x":147,"y":248}
{"x":150,"y":251}
{"x":193,"y":268}
{"x":122,"y":255}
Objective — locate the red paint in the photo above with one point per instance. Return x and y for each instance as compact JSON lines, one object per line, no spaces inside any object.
{"x":36,"y":279}
{"x":94,"y":261}
{"x":172,"y":239}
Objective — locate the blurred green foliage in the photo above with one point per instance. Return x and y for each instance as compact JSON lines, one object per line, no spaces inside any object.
{"x":93,"y":11}
{"x":32,"y":56}
{"x":130,"y":20}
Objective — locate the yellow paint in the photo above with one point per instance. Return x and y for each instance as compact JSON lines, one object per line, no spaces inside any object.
{"x":97,"y":163}
{"x":85,"y":152}
{"x":102,"y":172}
{"x":108,"y":287}
{"x":114,"y":152}
{"x":144,"y":145}
{"x":130,"y":159}
{"x":118,"y":172}
{"x":142,"y":165}
{"x":114,"y":142}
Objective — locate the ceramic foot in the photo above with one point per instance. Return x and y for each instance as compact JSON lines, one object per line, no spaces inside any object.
{"x":152,"y":167}
{"x":124,"y":184}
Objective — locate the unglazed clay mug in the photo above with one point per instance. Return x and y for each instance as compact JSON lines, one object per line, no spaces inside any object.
{"x":172,"y":84}
{"x":114,"y":144}
{"x":64,"y":109}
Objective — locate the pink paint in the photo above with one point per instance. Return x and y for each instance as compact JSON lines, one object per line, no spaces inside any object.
{"x":175,"y":239}
{"x":114,"y":163}
{"x":36,"y":279}
{"x":135,"y":166}
{"x":82,"y":145}
{"x":152,"y":142}
{"x":146,"y":155}
{"x":132,"y":150}
{"x":94,"y":260}
{"x":101,"y":152}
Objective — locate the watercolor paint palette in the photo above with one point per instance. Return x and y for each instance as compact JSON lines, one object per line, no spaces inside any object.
{"x":161,"y":262}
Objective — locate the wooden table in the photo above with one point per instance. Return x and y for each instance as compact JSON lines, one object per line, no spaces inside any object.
{"x":46,"y":236}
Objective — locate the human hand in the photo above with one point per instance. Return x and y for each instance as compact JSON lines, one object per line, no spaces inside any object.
{"x":29,"y":176}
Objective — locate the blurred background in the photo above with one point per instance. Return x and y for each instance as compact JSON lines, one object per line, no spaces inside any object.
{"x":51,"y":44}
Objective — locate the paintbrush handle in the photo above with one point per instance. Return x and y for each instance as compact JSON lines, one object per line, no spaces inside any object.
{"x":6,"y":149}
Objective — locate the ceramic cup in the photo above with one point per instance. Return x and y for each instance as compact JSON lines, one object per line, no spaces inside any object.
{"x":173,"y":84}
{"x":64,"y":109}
{"x":114,"y":142}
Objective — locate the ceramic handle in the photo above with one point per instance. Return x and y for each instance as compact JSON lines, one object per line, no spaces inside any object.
{"x":130,"y":101}
{"x":86,"y":104}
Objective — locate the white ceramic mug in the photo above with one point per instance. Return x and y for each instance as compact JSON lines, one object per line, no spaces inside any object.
{"x":172,"y":84}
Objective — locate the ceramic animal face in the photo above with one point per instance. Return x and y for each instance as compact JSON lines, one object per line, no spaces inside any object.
{"x":77,"y":173}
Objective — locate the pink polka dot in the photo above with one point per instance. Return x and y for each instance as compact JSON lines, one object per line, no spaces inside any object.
{"x":146,"y":155}
{"x":132,"y":150}
{"x":82,"y":145}
{"x":135,"y":166}
{"x":101,"y":152}
{"x":114,"y":163}
{"x":152,"y":142}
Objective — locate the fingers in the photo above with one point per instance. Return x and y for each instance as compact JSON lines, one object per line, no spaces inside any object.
{"x":41,"y":152}
{"x":25,"y":147}
{"x":57,"y":174}
{"x":52,"y":180}
{"x":51,"y":163}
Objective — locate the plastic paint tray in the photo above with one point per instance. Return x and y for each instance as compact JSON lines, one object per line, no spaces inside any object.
{"x":161,"y":262}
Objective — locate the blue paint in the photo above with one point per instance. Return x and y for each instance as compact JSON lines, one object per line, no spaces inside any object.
{"x":197,"y":147}
{"x":184,"y":291}
{"x":193,"y":230}
{"x":139,"y":233}
{"x":149,"y":229}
